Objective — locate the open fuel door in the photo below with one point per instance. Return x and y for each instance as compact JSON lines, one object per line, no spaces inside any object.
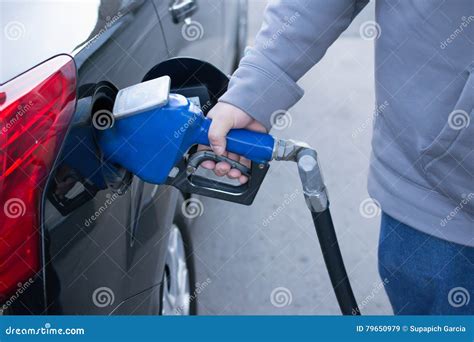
{"x":199,"y":81}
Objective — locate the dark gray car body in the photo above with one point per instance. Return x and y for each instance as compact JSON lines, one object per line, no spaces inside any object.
{"x":105,"y":240}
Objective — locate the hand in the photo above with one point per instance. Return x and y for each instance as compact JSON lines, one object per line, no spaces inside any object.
{"x":224,"y":118}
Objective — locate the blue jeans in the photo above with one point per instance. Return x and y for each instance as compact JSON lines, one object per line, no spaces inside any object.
{"x":424,"y":275}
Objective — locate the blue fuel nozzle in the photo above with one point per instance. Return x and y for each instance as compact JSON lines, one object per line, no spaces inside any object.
{"x":152,"y":130}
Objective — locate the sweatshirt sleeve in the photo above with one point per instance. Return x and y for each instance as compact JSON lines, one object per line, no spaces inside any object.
{"x":294,"y":37}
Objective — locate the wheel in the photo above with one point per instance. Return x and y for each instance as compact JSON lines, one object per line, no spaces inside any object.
{"x":178,"y":295}
{"x":176,"y":288}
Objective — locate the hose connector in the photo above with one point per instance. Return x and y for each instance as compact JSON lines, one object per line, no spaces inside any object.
{"x":315,"y":192}
{"x":287,"y":150}
{"x":314,"y":189}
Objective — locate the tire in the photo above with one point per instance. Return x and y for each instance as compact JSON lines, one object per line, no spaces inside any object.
{"x":180,"y":239}
{"x":185,"y":225}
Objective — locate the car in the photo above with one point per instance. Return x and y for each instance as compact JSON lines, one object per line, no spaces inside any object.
{"x":78,"y":234}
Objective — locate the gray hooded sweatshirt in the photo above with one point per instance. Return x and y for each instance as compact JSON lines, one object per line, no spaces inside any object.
{"x":422,"y":165}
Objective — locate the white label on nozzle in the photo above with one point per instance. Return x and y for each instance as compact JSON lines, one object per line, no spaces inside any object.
{"x":142,"y":97}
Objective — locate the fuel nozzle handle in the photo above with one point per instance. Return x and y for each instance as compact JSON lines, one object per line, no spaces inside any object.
{"x":255,"y":146}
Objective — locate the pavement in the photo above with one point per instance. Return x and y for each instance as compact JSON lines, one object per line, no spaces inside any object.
{"x":265,"y":260}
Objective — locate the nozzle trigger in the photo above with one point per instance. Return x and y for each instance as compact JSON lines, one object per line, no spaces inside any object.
{"x":199,"y":157}
{"x":188,"y":181}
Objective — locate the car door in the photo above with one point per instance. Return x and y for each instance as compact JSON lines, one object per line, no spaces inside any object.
{"x":210,"y":33}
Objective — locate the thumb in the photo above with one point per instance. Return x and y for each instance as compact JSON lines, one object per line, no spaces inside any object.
{"x":220,"y":126}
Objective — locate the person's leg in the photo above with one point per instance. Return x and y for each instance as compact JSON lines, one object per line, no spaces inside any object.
{"x":424,"y":275}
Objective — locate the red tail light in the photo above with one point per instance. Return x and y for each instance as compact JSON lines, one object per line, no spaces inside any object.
{"x":35,"y":111}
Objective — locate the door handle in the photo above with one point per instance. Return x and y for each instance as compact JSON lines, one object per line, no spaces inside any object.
{"x":182,"y":9}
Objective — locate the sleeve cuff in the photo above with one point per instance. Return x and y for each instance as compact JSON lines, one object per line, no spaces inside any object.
{"x":260,"y":88}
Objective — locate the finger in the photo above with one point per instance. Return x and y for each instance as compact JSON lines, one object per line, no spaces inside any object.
{"x":234,"y":174}
{"x":220,"y":126}
{"x":208,"y":164}
{"x":222,"y":168}
{"x":245,"y":161}
{"x":203,"y":148}
{"x":243,"y":179}
{"x":256,"y":126}
{"x":233,"y":156}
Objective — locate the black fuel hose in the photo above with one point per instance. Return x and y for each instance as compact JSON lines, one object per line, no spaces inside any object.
{"x":334,"y":262}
